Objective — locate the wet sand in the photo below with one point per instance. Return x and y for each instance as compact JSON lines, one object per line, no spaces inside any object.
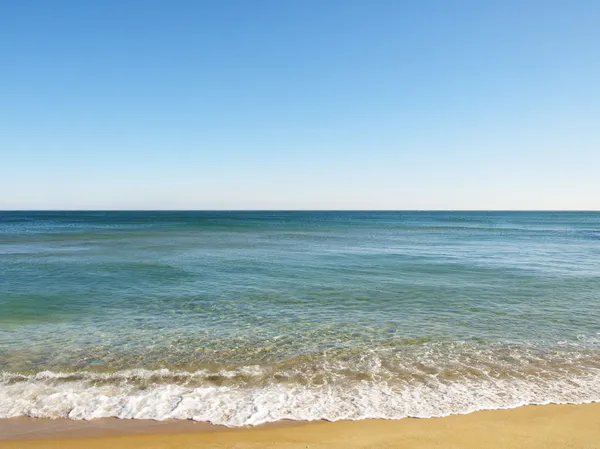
{"x":534,"y":427}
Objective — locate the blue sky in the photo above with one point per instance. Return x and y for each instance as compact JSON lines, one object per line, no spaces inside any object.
{"x":299,"y":104}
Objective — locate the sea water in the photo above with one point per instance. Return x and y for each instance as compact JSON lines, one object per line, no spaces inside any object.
{"x":241,"y":318}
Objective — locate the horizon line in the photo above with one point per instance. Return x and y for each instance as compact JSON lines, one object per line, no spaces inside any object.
{"x":299,"y":210}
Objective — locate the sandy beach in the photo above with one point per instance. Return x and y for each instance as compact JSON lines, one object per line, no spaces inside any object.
{"x":532,"y":427}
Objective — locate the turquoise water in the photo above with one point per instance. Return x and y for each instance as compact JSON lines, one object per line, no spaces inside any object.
{"x":248,"y":317}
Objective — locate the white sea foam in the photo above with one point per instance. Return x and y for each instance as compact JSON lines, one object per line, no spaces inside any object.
{"x":94,"y":395}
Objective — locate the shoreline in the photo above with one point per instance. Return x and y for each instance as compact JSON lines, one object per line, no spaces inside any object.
{"x":26,"y":428}
{"x":531,"y":426}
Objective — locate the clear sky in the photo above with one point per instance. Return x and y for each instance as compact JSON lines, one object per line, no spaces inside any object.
{"x":299,"y":104}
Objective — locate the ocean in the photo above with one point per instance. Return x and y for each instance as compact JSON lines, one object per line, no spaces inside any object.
{"x":242,"y":318}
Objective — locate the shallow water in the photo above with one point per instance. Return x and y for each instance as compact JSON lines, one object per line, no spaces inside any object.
{"x":249,"y":317}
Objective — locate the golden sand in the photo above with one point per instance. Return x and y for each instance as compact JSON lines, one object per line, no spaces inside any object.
{"x":532,"y":427}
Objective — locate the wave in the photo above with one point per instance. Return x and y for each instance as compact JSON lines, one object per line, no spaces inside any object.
{"x":330,"y":390}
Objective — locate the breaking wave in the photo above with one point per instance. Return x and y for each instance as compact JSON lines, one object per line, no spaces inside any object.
{"x":390,"y":385}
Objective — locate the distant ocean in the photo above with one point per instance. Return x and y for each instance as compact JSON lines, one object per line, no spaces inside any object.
{"x":243,"y":318}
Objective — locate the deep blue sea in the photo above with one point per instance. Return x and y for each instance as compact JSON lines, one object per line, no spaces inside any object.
{"x":248,"y":317}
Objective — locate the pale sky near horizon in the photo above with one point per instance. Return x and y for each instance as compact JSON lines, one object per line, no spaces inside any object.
{"x":299,"y":104}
